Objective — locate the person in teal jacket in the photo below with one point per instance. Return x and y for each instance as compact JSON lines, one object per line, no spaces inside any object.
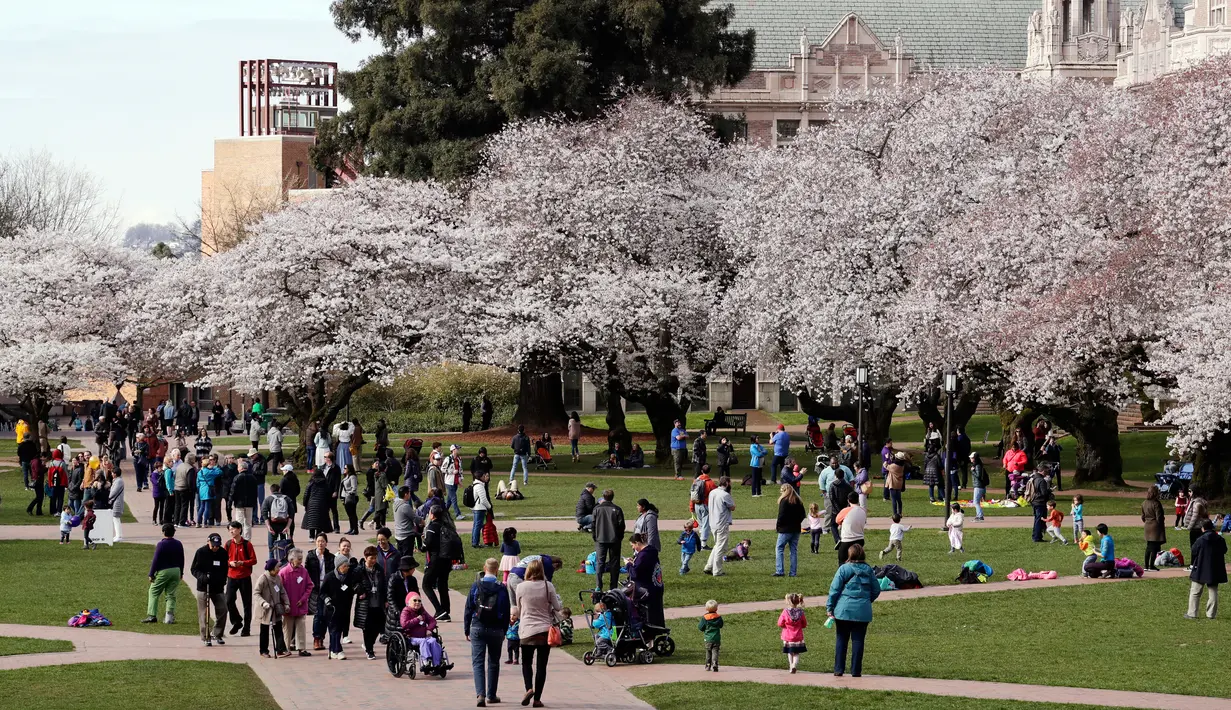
{"x":756,"y":461}
{"x":851,"y":594}
{"x":206,"y":478}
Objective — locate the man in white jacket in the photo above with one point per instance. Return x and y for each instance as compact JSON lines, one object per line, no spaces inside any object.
{"x":482,"y":507}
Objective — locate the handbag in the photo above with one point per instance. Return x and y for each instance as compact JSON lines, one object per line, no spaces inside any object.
{"x":554,"y":637}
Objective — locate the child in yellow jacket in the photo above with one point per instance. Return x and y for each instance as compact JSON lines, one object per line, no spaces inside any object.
{"x":1087,"y":546}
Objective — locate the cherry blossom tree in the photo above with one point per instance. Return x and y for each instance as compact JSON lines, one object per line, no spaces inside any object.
{"x":65,"y":304}
{"x":330,"y":294}
{"x":610,"y":228}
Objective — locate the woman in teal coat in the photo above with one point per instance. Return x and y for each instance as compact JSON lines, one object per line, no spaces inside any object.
{"x":851,"y":594}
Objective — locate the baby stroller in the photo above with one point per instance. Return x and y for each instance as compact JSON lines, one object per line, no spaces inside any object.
{"x":1173,"y":478}
{"x":635,"y":641}
{"x":816,"y":438}
{"x":403,"y":658}
{"x":541,"y":458}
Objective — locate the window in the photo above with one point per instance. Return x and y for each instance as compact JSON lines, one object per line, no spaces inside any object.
{"x":572,"y":390}
{"x":787,"y":401}
{"x":787,"y":129}
{"x":818,"y":123}
{"x":1218,"y":12}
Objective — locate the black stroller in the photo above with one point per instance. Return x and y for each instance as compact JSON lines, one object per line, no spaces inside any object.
{"x":634,"y":639}
{"x":1173,"y":477}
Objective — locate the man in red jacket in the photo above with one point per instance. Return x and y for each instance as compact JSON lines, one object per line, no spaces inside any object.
{"x":241,"y":558}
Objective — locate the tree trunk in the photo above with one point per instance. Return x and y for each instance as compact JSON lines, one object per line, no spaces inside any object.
{"x":663,"y":411}
{"x":879,"y":406}
{"x":1097,"y":435}
{"x":540,"y":395}
{"x":1012,"y":422}
{"x":617,"y":431}
{"x":318,"y":403}
{"x":932,"y":408}
{"x":1211,"y":463}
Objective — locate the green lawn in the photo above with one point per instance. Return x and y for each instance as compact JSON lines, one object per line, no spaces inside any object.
{"x":556,"y":496}
{"x":1074,"y":636}
{"x":18,"y":645}
{"x":8,"y":447}
{"x":45,"y":583}
{"x":639,"y":423}
{"x":926,"y":553}
{"x":764,"y":696}
{"x":148,"y":685}
{"x":16,"y":498}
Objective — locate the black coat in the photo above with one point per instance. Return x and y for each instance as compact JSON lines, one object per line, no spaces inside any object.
{"x":790,"y":516}
{"x":397,"y":589}
{"x":585,"y":504}
{"x":316,"y":498}
{"x":1209,"y":558}
{"x":333,"y":479}
{"x":209,"y":568}
{"x":229,"y":472}
{"x":243,"y":490}
{"x":337,"y":597}
{"x":313,"y":562}
{"x":365,"y":581}
{"x":838,"y":496}
{"x":290,"y":487}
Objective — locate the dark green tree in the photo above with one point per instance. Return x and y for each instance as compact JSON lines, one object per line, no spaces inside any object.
{"x":456,"y":71}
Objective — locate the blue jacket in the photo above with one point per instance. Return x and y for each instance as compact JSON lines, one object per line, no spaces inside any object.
{"x":690,"y":542}
{"x":205,"y":482}
{"x":677,"y":443}
{"x":602,"y":625}
{"x":852,"y":592}
{"x":756,"y":455}
{"x":488,"y":585}
{"x":782,"y":443}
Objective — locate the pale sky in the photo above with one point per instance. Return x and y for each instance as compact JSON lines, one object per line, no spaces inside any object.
{"x":136,"y":91}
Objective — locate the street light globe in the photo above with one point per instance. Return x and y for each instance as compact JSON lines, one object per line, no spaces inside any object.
{"x":861,"y":375}
{"x":951,"y":382}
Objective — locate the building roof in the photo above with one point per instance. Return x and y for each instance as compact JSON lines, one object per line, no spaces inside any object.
{"x":938,"y":33}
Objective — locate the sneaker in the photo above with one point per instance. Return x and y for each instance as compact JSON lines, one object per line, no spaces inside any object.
{"x":715,"y":669}
{"x":1189,"y":616}
{"x":346,"y":639}
{"x":265,"y":655}
{"x":150,"y":620}
{"x":778,"y":574}
{"x":371,"y":656}
{"x":218,"y":640}
{"x":333,"y":656}
{"x":459,"y":517}
{"x":341,"y":656}
{"x":169,"y":619}
{"x":440,"y":617}
{"x":208,"y":642}
{"x":707,"y":666}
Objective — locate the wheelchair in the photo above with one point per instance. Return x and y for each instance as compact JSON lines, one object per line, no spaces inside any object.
{"x":402,"y":657}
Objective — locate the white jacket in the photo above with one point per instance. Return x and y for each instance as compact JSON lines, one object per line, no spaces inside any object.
{"x":481,"y":501}
{"x":452,"y":469}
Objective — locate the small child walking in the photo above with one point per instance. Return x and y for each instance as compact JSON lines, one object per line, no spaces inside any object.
{"x":1077,"y":513}
{"x":711,"y":626}
{"x":512,"y":639}
{"x":1053,"y":520}
{"x":815,"y":523}
{"x":510,"y":552}
{"x":954,"y":525}
{"x":566,"y":625}
{"x":793,"y":621}
{"x":689,"y":543}
{"x":897,"y":531}
{"x":87,"y":525}
{"x":1181,"y":507}
{"x":66,"y":524}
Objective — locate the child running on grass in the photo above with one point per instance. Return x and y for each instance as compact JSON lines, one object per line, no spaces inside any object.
{"x":1053,"y":520}
{"x":815,"y":523}
{"x":792,"y":621}
{"x":897,"y":532}
{"x":689,"y":543}
{"x":954,"y":525}
{"x":1077,"y":513}
{"x":711,"y":626}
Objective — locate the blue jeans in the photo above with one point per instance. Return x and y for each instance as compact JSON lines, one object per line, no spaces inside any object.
{"x":936,"y":490}
{"x":476,"y":530}
{"x":585,"y":521}
{"x":25,"y":473}
{"x":895,"y":500}
{"x":685,"y":558}
{"x":310,"y":450}
{"x":525,"y":472}
{"x":573,"y":447}
{"x":979,"y":493}
{"x":485,"y":642}
{"x":703,"y":523}
{"x":203,"y":512}
{"x":260,"y":500}
{"x":785,"y":539}
{"x":853,"y":632}
{"x":1040,"y":512}
{"x":451,"y":501}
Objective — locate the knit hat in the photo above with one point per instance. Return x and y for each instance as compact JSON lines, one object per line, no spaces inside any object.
{"x":411,"y":595}
{"x":271,"y":564}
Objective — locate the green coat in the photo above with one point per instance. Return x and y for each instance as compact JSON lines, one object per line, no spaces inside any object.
{"x":711,"y":626}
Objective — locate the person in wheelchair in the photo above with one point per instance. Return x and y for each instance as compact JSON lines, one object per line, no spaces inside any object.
{"x":419,"y":627}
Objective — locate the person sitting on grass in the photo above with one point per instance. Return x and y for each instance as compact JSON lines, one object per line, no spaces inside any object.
{"x":1105,"y":555}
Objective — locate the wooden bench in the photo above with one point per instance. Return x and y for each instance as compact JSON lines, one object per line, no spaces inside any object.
{"x":734,"y":422}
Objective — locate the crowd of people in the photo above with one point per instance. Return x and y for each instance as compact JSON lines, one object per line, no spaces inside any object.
{"x":377,"y":593}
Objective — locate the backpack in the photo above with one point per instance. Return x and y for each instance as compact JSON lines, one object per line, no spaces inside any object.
{"x":486,"y":609}
{"x":468,"y":496}
{"x":450,"y":543}
{"x":697,"y":492}
{"x":278,"y":508}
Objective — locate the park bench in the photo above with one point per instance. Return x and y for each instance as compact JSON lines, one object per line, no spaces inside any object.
{"x":734,"y":422}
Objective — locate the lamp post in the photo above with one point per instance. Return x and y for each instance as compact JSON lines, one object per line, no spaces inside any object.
{"x":861,"y":383}
{"x":950,"y":390}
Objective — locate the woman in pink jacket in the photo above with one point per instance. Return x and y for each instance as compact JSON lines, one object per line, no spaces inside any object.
{"x":298,"y":585}
{"x":418,"y":625}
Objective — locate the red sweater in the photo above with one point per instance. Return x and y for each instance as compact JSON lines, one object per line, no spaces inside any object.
{"x":243,"y":553}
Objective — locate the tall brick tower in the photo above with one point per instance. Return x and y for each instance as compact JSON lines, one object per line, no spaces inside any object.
{"x":281,"y":104}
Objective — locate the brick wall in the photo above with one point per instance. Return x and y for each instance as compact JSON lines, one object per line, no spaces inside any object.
{"x":761,"y":133}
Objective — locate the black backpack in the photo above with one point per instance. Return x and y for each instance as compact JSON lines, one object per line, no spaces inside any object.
{"x":468,"y":496}
{"x":486,"y":606}
{"x":450,"y":543}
